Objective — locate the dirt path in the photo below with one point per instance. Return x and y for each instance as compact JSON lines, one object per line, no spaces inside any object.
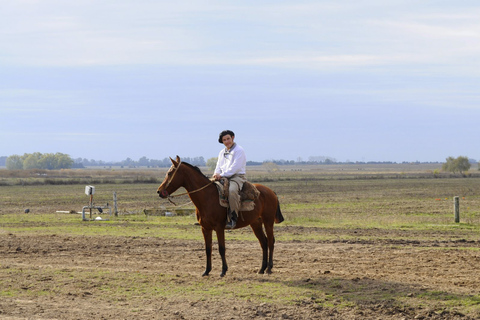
{"x":58,"y":277}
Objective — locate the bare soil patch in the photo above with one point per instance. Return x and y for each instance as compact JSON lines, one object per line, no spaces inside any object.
{"x":89,"y":277}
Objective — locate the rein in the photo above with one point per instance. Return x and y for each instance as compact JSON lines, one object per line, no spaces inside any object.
{"x":182,"y":194}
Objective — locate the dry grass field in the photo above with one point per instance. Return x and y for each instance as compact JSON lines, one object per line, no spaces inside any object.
{"x":358,"y":242}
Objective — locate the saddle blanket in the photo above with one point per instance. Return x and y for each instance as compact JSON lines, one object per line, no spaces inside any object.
{"x":248,"y":195}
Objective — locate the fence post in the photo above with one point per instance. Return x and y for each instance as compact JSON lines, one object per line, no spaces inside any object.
{"x":115,"y":210}
{"x":456,"y":205}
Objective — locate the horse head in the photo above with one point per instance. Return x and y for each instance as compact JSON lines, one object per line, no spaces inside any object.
{"x":170,"y":184}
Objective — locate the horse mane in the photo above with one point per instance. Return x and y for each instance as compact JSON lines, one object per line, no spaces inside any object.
{"x":195,"y":168}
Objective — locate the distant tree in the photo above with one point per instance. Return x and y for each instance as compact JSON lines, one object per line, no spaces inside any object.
{"x":31,"y":161}
{"x":270,"y":166}
{"x":316,"y":159}
{"x":128,"y":162}
{"x":321,"y":159}
{"x":460,"y":164}
{"x":37,"y":160}
{"x":449,"y":164}
{"x":212,"y":163}
{"x":48,"y":161}
{"x":329,"y":161}
{"x":143,"y":161}
{"x":198,"y":161}
{"x":14,"y":162}
{"x":463,"y":164}
{"x":3,"y":161}
{"x":63,"y":161}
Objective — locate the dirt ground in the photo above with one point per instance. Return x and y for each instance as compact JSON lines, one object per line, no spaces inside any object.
{"x":365,"y":279}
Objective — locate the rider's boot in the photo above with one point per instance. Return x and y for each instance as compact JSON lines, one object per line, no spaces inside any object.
{"x":233,"y":220}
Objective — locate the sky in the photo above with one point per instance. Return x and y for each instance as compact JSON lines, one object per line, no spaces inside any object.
{"x":367,"y":80}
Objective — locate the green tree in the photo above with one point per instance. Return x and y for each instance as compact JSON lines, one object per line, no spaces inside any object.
{"x":32,"y":160}
{"x":212,"y":163}
{"x":48,"y":161}
{"x":37,"y":160}
{"x":14,"y":162}
{"x":460,"y":164}
{"x":63,"y":161}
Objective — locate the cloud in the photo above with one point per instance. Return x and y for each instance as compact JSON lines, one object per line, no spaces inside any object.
{"x":441,"y":35}
{"x":294,"y":35}
{"x":92,"y":33}
{"x":332,"y":61}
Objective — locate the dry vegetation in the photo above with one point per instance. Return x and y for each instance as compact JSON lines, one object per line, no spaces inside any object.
{"x":359,"y":242}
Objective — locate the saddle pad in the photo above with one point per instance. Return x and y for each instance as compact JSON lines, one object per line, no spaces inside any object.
{"x":248,"y":195}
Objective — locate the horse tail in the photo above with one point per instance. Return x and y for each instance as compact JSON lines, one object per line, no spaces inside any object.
{"x":278,"y":216}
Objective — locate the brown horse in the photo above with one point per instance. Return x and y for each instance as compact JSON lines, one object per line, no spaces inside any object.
{"x":212,"y":216}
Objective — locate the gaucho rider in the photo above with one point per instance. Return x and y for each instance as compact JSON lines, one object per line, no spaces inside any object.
{"x":231,"y":164}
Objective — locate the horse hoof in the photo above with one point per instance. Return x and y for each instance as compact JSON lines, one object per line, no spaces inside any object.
{"x":261,"y":272}
{"x":222,"y":275}
{"x":205,"y":274}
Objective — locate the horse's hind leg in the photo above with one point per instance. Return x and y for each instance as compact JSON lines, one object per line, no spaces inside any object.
{"x":258,"y":230}
{"x":271,"y":244}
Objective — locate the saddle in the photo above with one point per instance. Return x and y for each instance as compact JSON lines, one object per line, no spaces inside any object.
{"x":248,"y":194}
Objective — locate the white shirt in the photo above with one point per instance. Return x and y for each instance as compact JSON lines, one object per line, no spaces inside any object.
{"x":231,"y":162}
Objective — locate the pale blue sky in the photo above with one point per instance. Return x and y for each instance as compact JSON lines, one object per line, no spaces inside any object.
{"x":353,"y":80}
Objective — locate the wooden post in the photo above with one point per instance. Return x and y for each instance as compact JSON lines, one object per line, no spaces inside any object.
{"x":115,"y":210}
{"x":456,"y":206}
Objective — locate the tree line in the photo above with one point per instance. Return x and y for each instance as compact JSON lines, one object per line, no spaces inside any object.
{"x":130,"y":163}
{"x":51,"y":161}
{"x":37,"y":160}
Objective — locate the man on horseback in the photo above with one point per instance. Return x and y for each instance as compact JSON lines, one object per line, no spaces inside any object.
{"x":231,"y":164}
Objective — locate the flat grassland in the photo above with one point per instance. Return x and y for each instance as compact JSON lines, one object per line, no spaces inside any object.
{"x":358,"y":242}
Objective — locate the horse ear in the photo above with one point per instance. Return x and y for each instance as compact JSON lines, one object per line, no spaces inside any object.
{"x":173,"y":162}
{"x":178,"y":159}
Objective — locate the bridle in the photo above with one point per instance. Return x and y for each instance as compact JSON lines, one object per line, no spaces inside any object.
{"x":182,"y":194}
{"x":174,"y":173}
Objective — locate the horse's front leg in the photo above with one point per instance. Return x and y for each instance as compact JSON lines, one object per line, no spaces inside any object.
{"x":221,"y":249}
{"x":207,"y":236}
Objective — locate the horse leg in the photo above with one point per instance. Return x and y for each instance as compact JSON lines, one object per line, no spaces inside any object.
{"x":271,"y":244}
{"x":207,"y":236}
{"x":221,"y":249}
{"x":258,"y":230}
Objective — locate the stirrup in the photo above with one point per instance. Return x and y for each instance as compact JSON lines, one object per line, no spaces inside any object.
{"x":233,"y":221}
{"x":231,"y":224}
